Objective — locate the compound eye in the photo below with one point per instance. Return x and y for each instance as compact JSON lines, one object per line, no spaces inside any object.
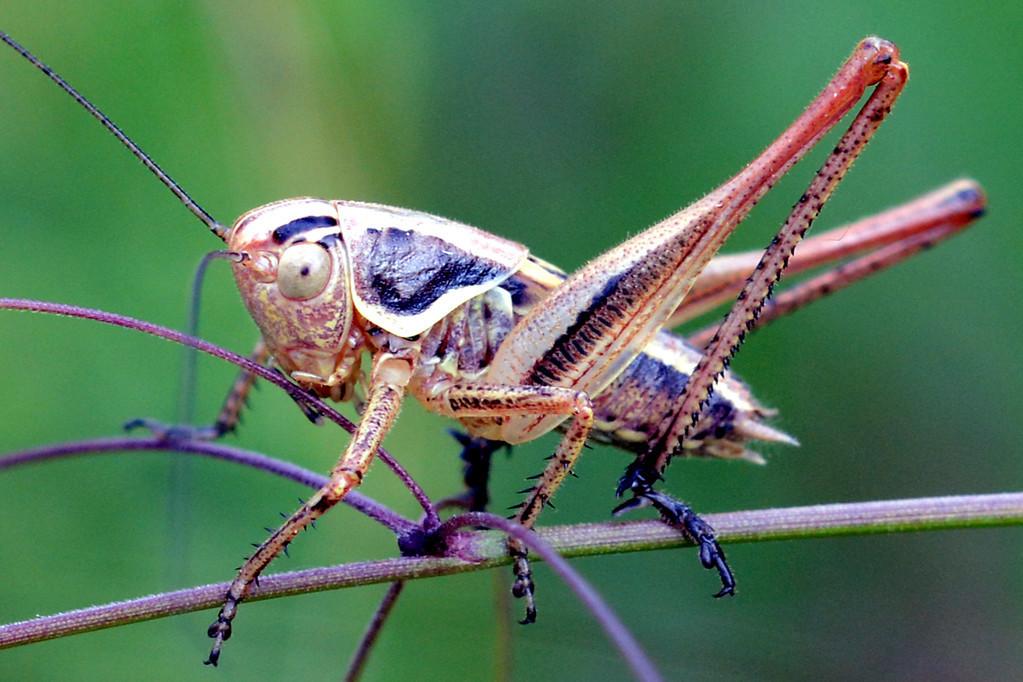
{"x":303,"y":271}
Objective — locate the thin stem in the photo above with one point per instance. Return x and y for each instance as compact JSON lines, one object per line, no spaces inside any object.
{"x":296,"y":392}
{"x":504,"y":658}
{"x":366,"y":505}
{"x":369,"y":637}
{"x":188,"y":381}
{"x":642,"y":667}
{"x":479,"y":550}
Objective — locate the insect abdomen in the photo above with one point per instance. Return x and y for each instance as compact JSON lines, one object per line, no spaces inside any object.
{"x":642,"y":401}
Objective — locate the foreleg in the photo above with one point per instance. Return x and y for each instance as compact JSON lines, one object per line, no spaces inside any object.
{"x":387,"y":388}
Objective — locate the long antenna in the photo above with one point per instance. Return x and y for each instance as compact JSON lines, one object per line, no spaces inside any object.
{"x":197,"y":210}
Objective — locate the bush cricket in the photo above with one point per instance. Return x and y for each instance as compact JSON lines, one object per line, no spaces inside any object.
{"x":363,"y":300}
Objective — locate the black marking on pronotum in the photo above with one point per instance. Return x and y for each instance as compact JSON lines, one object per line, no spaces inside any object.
{"x":407,"y":272}
{"x":577,"y":340}
{"x":300,"y":225}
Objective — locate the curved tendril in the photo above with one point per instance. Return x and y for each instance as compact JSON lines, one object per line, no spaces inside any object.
{"x":296,"y":392}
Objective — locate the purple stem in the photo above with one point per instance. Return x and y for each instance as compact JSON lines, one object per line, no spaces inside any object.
{"x":616,"y":631}
{"x":355,"y":500}
{"x":212,"y":595}
{"x":369,"y":637}
{"x":296,"y":392}
{"x":480,"y":552}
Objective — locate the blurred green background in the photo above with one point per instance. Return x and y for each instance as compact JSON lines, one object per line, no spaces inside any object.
{"x":565,"y":127}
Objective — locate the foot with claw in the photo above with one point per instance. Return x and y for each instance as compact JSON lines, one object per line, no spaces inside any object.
{"x":678,"y":515}
{"x":175,"y":433}
{"x":220,"y":632}
{"x":524,"y":587}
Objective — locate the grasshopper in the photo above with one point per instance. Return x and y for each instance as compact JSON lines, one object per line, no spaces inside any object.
{"x":354,"y":297}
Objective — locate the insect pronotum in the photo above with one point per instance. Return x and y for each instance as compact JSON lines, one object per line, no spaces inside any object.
{"x":349,"y":294}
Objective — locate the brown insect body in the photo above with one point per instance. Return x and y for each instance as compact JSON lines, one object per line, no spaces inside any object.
{"x":388,"y":272}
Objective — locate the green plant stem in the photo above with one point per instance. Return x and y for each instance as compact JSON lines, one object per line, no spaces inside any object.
{"x":478,"y":550}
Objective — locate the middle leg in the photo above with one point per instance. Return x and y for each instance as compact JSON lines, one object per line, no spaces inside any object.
{"x":496,"y":402}
{"x":477,"y":455}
